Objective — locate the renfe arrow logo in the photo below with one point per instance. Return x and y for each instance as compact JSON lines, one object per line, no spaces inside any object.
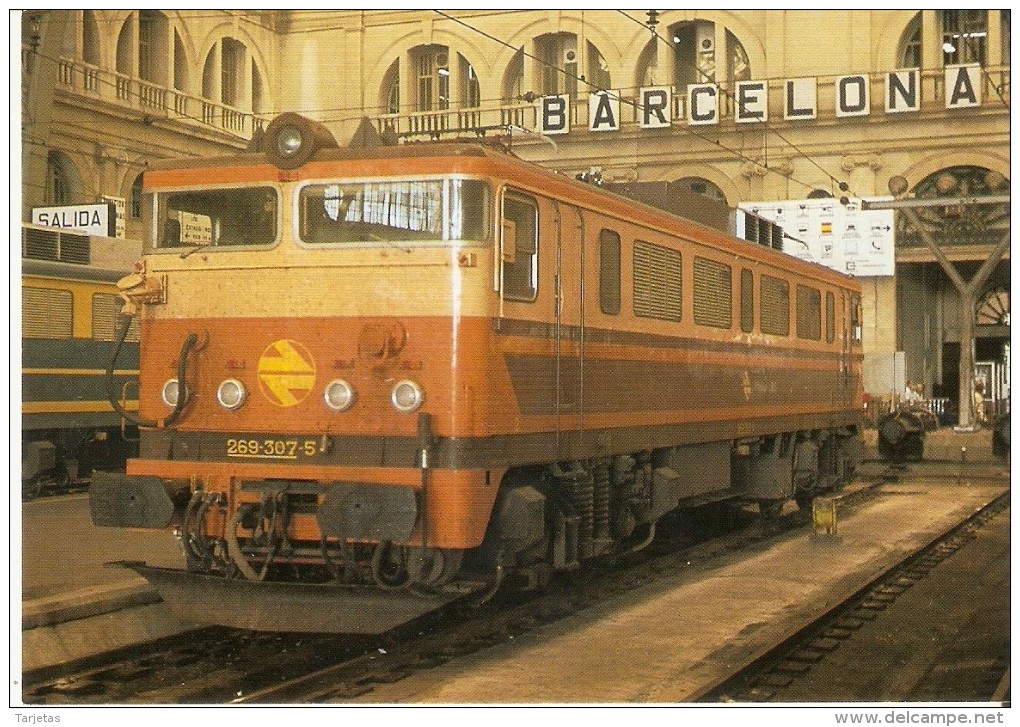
{"x":286,"y":372}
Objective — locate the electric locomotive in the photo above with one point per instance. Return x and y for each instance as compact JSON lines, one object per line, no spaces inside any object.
{"x":375,"y":380}
{"x":69,"y":305}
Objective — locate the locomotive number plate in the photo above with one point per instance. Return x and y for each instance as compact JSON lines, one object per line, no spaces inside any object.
{"x":272,"y":448}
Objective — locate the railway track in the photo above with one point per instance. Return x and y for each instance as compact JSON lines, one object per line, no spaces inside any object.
{"x":773,"y":675}
{"x":224,"y":666}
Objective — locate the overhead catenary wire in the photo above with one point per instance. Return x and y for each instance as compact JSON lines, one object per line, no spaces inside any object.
{"x":686,"y":128}
{"x":841,"y":184}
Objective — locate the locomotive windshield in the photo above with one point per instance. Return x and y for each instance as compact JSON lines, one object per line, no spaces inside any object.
{"x":243,"y":216}
{"x":400,"y":211}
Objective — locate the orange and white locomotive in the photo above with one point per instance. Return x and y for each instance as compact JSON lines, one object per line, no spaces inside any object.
{"x":374,"y":380}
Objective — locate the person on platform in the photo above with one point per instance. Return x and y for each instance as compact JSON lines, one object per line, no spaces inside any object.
{"x":980,"y":417}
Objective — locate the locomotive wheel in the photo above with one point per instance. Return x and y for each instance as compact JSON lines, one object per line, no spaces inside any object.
{"x":433,"y":567}
{"x":805,"y":502}
{"x":770,"y":509}
{"x":389,"y":565}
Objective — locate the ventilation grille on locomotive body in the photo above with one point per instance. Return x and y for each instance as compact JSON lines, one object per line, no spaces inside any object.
{"x":56,"y":245}
{"x":657,"y":281}
{"x":713,"y":293}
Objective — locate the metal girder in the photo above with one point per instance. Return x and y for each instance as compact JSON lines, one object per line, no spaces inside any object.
{"x":933,"y":202}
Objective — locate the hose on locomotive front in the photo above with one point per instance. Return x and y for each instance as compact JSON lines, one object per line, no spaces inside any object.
{"x":182,"y":399}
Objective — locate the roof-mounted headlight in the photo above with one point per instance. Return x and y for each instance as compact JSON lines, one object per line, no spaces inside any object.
{"x":291,"y":140}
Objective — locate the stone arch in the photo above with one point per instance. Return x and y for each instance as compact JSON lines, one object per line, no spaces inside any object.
{"x":930,"y":165}
{"x":748,"y":36}
{"x":378,"y":76}
{"x":705,"y":172}
{"x":888,"y":46}
{"x":252,"y":44}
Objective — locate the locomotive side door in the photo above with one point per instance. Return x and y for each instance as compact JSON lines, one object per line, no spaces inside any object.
{"x":569,"y":328}
{"x":846,"y":336}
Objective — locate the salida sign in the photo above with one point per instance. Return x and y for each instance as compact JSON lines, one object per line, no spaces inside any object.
{"x":92,"y":219}
{"x":654,"y":104}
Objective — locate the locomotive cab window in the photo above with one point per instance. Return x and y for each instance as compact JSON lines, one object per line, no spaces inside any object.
{"x":421,"y":211}
{"x":519,"y":248}
{"x":217,"y":217}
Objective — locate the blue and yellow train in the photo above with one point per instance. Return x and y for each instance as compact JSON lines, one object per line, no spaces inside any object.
{"x":69,"y":306}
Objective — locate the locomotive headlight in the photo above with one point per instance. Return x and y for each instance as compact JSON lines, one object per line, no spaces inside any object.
{"x":339,"y":395}
{"x":231,"y":394}
{"x":171,"y":393}
{"x":289,"y":141}
{"x":407,"y":396}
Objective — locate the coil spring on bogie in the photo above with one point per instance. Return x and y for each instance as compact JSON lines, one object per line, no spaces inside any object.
{"x":601,"y":502}
{"x":577,"y":484}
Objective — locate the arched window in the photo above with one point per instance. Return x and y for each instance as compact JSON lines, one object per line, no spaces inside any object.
{"x":231,"y":76}
{"x":125,"y":49}
{"x":910,"y":55}
{"x":703,"y":187}
{"x":432,"y":73}
{"x":438,"y":83}
{"x":181,"y":76}
{"x":63,"y":185}
{"x":232,"y":57}
{"x":696,"y":59}
{"x":257,"y":91}
{"x":959,"y":224}
{"x":558,"y":59}
{"x":687,"y":53}
{"x":152,"y":51}
{"x":599,"y":77}
{"x":962,"y":38}
{"x":470,"y":88}
{"x":562,"y":71}
{"x":513,"y":81}
{"x":993,"y":308}
{"x":391,"y":89}
{"x":135,"y":201}
{"x":89,"y":38}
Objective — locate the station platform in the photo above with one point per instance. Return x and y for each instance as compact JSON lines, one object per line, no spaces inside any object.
{"x":673,"y":641}
{"x":71,"y":605}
